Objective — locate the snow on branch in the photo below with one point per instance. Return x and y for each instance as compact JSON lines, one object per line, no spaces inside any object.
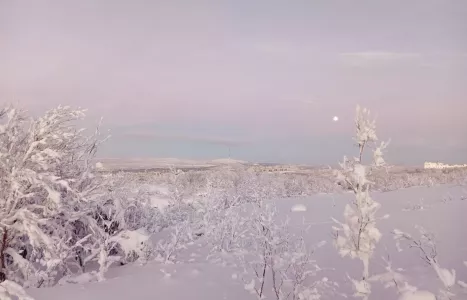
{"x":426,"y":246}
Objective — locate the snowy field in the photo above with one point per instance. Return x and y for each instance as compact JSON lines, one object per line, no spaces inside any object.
{"x":440,"y":210}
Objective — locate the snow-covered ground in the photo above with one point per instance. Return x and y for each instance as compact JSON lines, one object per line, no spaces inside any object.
{"x":440,"y":210}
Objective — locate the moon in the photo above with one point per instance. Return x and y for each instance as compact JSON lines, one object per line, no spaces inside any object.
{"x":335,"y":119}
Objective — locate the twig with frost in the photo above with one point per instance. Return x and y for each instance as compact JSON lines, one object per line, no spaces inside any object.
{"x":302,"y":272}
{"x":427,"y":248}
{"x":394,"y":278}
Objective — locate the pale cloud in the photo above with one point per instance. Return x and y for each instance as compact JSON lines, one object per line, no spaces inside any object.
{"x":385,"y":59}
{"x":370,"y":59}
{"x":214,"y":140}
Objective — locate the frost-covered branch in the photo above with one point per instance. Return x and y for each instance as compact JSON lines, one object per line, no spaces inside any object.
{"x":428,"y":253}
{"x":394,"y":278}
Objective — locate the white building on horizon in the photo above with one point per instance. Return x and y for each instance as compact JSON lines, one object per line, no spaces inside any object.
{"x":438,"y":165}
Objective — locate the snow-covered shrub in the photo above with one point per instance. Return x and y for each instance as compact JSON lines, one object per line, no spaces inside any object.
{"x":222,"y":211}
{"x":124,"y":215}
{"x":267,"y":244}
{"x":177,"y":186}
{"x":180,"y":221}
{"x":241,"y":226}
{"x":47,"y":189}
{"x":180,"y":208}
{"x":295,"y":186}
{"x":194,"y":181}
{"x":300,"y":276}
{"x":55,"y":212}
{"x":357,"y":235}
{"x":225,"y":208}
{"x":278,"y":261}
{"x":180,"y":236}
{"x":224,"y":227}
{"x":133,"y":202}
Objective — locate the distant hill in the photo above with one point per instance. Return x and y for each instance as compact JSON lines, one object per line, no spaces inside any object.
{"x":161,"y":163}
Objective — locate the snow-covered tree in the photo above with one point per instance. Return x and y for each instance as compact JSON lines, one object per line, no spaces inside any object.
{"x":358,"y":235}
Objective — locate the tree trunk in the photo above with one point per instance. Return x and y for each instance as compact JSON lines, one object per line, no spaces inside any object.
{"x":2,"y":255}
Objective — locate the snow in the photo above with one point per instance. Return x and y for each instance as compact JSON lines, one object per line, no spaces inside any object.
{"x":131,"y":240}
{"x":194,"y":277}
{"x":149,"y":283}
{"x":228,"y":161}
{"x":160,"y":202}
{"x":298,"y":208}
{"x":417,"y":295}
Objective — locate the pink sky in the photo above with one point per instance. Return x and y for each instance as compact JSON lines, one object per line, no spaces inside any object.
{"x":268,"y":68}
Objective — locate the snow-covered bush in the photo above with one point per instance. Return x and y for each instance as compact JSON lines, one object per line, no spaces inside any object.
{"x":307,"y":182}
{"x":223,"y":210}
{"x":166,"y":250}
{"x":56,"y":213}
{"x":276,"y":261}
{"x":266,"y":246}
{"x":241,"y":227}
{"x":224,"y":227}
{"x":47,"y":190}
{"x":177,"y":186}
{"x":181,"y":219}
{"x":358,"y":235}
